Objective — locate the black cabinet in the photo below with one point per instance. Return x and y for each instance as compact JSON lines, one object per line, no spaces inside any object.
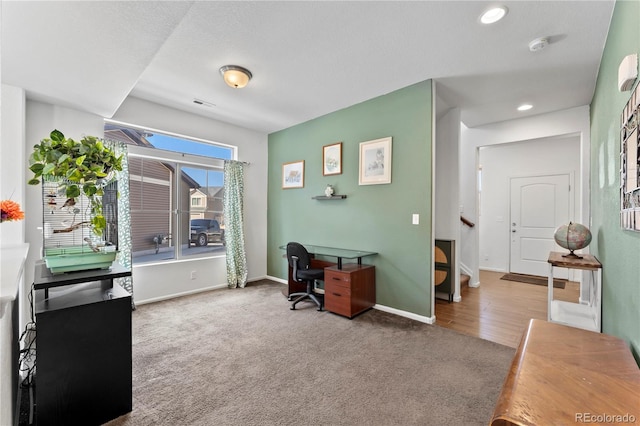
{"x":83,"y":354}
{"x":445,"y":268}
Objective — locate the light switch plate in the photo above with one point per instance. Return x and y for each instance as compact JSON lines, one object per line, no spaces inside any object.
{"x":416,"y":219}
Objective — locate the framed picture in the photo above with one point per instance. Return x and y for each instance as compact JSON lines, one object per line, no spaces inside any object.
{"x":375,"y":162}
{"x":293,"y":175}
{"x":332,"y":159}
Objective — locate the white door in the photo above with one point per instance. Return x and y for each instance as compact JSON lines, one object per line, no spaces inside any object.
{"x":539,"y":204}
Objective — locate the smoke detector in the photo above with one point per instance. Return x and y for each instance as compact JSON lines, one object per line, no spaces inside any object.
{"x":538,"y":44}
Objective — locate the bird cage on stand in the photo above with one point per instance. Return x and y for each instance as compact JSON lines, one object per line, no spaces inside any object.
{"x":69,"y":242}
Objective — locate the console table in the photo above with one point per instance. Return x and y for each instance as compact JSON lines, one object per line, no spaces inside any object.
{"x":563,"y":375}
{"x":83,"y":338}
{"x":583,"y":315}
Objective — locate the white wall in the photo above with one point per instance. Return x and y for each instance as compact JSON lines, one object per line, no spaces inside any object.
{"x":502,"y":162}
{"x":156,"y":282}
{"x":447,"y":185}
{"x":12,"y":171}
{"x":574,"y":121}
{"x":11,"y":233}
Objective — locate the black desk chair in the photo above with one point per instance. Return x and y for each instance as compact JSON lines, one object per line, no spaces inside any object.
{"x":300,"y":261}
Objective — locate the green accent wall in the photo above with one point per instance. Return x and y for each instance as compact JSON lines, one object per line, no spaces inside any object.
{"x":618,"y":250}
{"x":372,"y":217}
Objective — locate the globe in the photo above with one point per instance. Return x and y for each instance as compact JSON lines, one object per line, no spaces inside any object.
{"x":572,"y":236}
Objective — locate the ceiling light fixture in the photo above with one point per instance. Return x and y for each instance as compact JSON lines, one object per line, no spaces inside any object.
{"x":525,"y":107}
{"x":235,"y":76}
{"x":493,"y":15}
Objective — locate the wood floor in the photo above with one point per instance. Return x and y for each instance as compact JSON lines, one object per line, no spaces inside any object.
{"x":499,"y":310}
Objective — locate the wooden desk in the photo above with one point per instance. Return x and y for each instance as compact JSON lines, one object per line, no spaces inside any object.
{"x":563,"y":375}
{"x":323,"y":251}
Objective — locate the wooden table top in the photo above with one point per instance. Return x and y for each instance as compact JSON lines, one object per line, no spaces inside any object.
{"x":588,"y":261}
{"x":560,"y":373}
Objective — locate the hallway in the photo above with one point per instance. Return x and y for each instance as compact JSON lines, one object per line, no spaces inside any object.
{"x":499,"y":310}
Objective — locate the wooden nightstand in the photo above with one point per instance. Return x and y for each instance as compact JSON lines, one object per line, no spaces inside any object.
{"x":350,"y":290}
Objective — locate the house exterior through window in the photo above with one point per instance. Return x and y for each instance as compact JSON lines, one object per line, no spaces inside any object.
{"x":175,"y":184}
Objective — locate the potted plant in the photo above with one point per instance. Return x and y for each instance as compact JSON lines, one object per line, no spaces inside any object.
{"x":81,"y":167}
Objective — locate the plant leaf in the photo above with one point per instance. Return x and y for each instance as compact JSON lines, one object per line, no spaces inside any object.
{"x":63,"y":158}
{"x":56,"y":135}
{"x":73,"y":191}
{"x":89,"y":189}
{"x":99,"y":223}
{"x":37,"y":168}
{"x":48,"y":168}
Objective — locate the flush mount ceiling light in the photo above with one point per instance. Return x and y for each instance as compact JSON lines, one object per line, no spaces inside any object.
{"x":525,"y":107}
{"x":235,"y":76}
{"x":493,"y":15}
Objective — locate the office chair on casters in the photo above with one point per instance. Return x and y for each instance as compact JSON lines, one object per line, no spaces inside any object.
{"x":300,"y":262}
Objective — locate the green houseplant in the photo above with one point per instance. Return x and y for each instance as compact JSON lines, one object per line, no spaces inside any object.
{"x":81,"y":167}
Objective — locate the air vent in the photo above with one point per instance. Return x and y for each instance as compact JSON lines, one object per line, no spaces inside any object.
{"x":203,"y":103}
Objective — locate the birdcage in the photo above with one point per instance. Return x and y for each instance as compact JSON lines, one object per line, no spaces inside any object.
{"x":69,"y":243}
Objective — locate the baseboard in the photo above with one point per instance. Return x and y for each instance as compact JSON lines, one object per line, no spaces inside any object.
{"x":279,"y":280}
{"x":174,"y":295}
{"x":494,"y":270}
{"x":410,"y":315}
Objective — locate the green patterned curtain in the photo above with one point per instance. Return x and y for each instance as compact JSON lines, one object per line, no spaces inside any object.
{"x":124,"y":216}
{"x":234,"y":224}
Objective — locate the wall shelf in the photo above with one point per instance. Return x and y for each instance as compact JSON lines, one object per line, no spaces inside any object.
{"x":333,"y":197}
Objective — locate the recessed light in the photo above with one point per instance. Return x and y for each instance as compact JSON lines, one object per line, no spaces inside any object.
{"x":525,"y":107}
{"x":493,"y":15}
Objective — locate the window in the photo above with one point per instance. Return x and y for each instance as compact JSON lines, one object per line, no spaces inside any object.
{"x":176,"y":188}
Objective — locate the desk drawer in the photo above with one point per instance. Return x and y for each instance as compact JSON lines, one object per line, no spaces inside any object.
{"x":337,"y":298}
{"x":342,"y":279}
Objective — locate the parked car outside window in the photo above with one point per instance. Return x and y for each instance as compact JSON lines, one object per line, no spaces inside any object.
{"x":205,"y":231}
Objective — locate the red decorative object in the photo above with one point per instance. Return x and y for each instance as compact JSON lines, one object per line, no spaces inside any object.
{"x":10,"y":210}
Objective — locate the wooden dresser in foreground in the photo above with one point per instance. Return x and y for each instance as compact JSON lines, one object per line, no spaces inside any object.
{"x":562,"y":375}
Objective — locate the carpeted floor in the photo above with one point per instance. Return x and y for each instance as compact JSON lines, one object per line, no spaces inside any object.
{"x":533,"y":279}
{"x":242,"y":357}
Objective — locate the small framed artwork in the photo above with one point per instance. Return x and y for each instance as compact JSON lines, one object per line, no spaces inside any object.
{"x":332,"y":159}
{"x":375,"y":162}
{"x":293,"y":175}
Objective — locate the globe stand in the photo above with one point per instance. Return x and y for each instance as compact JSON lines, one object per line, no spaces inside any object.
{"x":572,"y":255}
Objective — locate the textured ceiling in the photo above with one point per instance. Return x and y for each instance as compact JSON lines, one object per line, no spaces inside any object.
{"x":308,"y":58}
